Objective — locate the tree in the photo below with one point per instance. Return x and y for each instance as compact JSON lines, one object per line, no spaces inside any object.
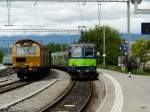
{"x":56,"y":47}
{"x":141,"y":49}
{"x":113,"y":41}
{"x":1,"y":56}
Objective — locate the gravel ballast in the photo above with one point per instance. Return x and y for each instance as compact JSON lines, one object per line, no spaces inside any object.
{"x":97,"y":96}
{"x":8,"y":79}
{"x":41,"y":99}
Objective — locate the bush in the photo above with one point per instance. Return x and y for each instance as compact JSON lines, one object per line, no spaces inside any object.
{"x":1,"y":56}
{"x":118,"y":69}
{"x":113,"y":41}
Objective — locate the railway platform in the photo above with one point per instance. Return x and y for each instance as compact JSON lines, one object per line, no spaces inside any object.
{"x":2,"y":67}
{"x":124,"y":94}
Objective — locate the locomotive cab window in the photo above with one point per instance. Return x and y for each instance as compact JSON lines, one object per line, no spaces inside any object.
{"x":26,"y":50}
{"x":76,"y":52}
{"x":89,"y":52}
{"x":20,"y":50}
{"x":31,"y":50}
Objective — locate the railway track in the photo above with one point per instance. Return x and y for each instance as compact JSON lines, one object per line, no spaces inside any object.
{"x":9,"y":106}
{"x":11,"y":86}
{"x":75,"y":99}
{"x":6,"y":72}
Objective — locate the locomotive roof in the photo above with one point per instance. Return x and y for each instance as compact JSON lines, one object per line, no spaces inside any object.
{"x":83,"y":45}
{"x":29,"y":40}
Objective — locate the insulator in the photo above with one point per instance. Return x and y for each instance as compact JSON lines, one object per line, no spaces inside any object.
{"x":138,"y":1}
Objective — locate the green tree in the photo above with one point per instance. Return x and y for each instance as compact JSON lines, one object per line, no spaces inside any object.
{"x":113,"y":41}
{"x":141,"y":49}
{"x":1,"y":56}
{"x":56,"y":47}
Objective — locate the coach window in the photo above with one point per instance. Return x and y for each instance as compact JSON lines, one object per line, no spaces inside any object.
{"x":89,"y":52}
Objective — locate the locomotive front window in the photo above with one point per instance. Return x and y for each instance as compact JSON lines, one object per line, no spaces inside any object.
{"x":89,"y":52}
{"x":31,"y":50}
{"x":20,"y":50}
{"x":76,"y":52}
{"x":25,"y":50}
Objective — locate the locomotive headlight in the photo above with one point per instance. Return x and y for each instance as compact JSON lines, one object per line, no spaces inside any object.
{"x":31,"y":64}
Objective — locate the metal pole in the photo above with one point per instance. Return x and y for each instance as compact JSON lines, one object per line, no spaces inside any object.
{"x":99,"y":12}
{"x":128,"y":24}
{"x":99,"y":21}
{"x":104,"y":54}
{"x":8,"y":9}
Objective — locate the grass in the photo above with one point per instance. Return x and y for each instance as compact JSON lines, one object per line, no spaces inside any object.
{"x":109,"y":67}
{"x":118,"y":69}
{"x":137,"y":72}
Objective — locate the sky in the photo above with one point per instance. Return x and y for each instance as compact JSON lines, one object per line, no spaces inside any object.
{"x":57,"y":15}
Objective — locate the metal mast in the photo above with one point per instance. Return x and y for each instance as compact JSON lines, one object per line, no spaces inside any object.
{"x":8,"y":11}
{"x":128,"y":28}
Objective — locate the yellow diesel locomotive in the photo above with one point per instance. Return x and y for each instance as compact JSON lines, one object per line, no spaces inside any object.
{"x":30,"y":59}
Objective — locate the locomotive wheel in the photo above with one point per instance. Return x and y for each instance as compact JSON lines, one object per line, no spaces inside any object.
{"x":73,"y":77}
{"x":20,"y":76}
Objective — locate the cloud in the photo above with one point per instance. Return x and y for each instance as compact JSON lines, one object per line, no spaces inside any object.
{"x":70,"y":15}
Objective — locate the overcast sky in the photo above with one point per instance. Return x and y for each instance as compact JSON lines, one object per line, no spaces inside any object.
{"x":71,"y":15}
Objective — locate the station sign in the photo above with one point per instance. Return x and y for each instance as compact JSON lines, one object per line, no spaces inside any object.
{"x":124,"y":48}
{"x":145,"y":28}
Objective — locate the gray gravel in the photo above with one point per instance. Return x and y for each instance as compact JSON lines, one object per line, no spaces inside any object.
{"x":40,"y":100}
{"x":97,"y":96}
{"x":8,"y":79}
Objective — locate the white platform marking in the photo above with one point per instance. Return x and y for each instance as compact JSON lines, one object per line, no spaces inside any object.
{"x":118,"y":104}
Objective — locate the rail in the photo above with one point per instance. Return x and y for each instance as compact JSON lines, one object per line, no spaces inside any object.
{"x":75,"y":99}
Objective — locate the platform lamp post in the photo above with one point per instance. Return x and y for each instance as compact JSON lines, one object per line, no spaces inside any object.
{"x":104,"y":47}
{"x":98,"y":56}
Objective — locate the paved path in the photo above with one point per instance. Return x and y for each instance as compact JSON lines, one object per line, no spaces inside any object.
{"x":136,"y":91}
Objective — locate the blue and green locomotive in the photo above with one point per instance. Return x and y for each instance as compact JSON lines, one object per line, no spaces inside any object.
{"x":79,"y":60}
{"x":82,"y":61}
